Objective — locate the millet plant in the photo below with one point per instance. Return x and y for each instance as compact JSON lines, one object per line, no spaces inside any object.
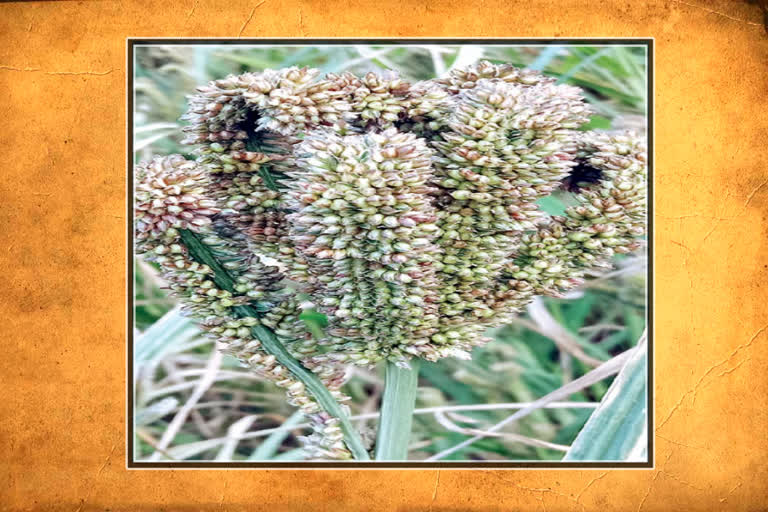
{"x":406,"y":213}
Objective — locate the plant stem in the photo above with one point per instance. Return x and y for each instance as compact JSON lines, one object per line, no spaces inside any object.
{"x":397,"y":411}
{"x":272,"y":345}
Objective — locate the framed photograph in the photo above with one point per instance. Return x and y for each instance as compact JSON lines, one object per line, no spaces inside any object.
{"x":438,"y":249}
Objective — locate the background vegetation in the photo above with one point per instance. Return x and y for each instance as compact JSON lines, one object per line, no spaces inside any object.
{"x":193,"y":404}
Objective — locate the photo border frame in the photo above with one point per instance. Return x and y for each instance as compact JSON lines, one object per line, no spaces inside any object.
{"x":132,"y":43}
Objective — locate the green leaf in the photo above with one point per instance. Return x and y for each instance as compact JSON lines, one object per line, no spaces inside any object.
{"x":462,"y":393}
{"x":315,"y":321}
{"x":164,"y":336}
{"x":570,"y":430}
{"x":397,"y":405}
{"x":272,"y":345}
{"x":183,"y":451}
{"x":596,"y":123}
{"x":551,"y":204}
{"x":618,"y":429}
{"x":269,"y":180}
{"x":291,"y":455}
{"x":545,"y":57}
{"x":155,"y":411}
{"x":271,"y":444}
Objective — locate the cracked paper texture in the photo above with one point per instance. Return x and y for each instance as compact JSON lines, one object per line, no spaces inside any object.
{"x":62,"y":253}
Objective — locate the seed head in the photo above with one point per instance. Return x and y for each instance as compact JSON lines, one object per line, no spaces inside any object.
{"x":467,"y":78}
{"x":171,"y":194}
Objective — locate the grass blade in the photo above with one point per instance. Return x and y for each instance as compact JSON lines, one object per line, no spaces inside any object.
{"x":545,"y":57}
{"x":234,"y":432}
{"x":171,"y":331}
{"x":155,"y":411}
{"x":397,"y":412}
{"x":267,"y":449}
{"x":619,"y":424}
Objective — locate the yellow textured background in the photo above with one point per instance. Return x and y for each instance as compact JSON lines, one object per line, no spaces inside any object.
{"x":62,"y":258}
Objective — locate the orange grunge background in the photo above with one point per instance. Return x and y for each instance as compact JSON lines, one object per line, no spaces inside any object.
{"x":63,"y":268}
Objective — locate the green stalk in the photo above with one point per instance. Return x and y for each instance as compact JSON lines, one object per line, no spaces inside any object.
{"x":397,"y":411}
{"x":272,"y":345}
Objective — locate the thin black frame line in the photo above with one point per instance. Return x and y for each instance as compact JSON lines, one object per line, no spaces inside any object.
{"x":640,"y":41}
{"x":132,"y":43}
{"x":650,"y":115}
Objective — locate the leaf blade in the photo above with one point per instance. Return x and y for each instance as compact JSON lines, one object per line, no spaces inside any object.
{"x":620,"y":422}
